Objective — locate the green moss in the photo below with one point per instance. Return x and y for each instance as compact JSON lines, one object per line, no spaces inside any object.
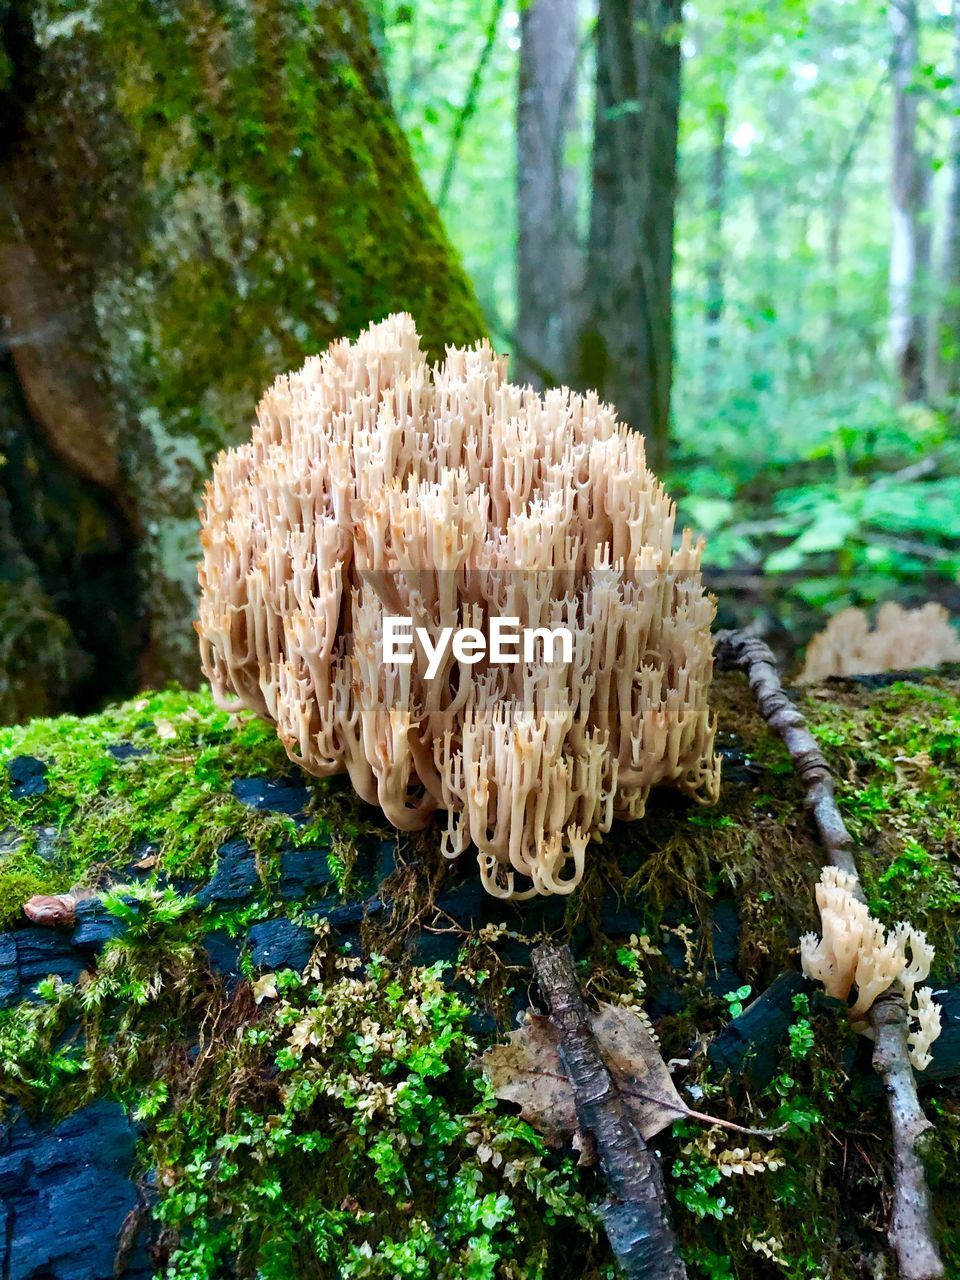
{"x":336,"y":1129}
{"x":797,"y":1213}
{"x":282,"y":1137}
{"x":170,"y":803}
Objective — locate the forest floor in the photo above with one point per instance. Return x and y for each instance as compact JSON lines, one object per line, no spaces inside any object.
{"x":272,"y":1002}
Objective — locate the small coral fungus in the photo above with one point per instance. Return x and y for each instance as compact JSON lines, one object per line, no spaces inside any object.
{"x":901,"y":639}
{"x":377,"y":486}
{"x":856,"y":952}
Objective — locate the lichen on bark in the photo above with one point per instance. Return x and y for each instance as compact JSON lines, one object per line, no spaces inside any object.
{"x":198,"y":196}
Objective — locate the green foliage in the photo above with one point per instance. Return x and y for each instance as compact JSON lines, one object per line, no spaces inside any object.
{"x":736,"y":998}
{"x":877,"y":507}
{"x":787,"y":449}
{"x":801,"y":1038}
{"x":343,"y":1124}
{"x":336,"y":1126}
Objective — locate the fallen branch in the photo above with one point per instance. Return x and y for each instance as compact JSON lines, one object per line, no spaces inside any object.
{"x":635,"y":1214}
{"x":735,"y":649}
{"x":911,"y":1223}
{"x":911,"y":1231}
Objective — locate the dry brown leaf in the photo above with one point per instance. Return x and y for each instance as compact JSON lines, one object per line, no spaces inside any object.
{"x":634,"y":1061}
{"x":529,"y":1071}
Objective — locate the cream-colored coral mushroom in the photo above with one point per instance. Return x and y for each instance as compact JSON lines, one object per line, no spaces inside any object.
{"x":901,"y":639}
{"x":376,"y":485}
{"x":926,"y":1015}
{"x":855,"y":952}
{"x":832,"y":959}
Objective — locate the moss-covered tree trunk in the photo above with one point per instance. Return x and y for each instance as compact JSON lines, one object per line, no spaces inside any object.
{"x":195,"y":195}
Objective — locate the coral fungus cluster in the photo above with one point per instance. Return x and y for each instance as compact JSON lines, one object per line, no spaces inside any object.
{"x":376,"y":485}
{"x":856,"y":952}
{"x":901,"y":639}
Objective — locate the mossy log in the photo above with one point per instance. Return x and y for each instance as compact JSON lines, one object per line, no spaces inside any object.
{"x":195,"y":198}
{"x":264,"y":1012}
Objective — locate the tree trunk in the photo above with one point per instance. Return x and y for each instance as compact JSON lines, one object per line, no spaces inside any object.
{"x":193,"y":198}
{"x":546,"y":191}
{"x":907,"y":186}
{"x":626,"y":339}
{"x":948,"y":346}
{"x":836,"y":212}
{"x":716,"y":198}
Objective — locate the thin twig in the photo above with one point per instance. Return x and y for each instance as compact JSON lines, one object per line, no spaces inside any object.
{"x":911,"y":1231}
{"x":465,"y":114}
{"x":911,"y":1223}
{"x":752,"y":656}
{"x":685,"y":1112}
{"x":635,"y":1214}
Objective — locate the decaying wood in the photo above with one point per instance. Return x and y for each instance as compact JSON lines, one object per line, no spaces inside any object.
{"x":52,"y":909}
{"x":635,"y":1214}
{"x":911,"y":1231}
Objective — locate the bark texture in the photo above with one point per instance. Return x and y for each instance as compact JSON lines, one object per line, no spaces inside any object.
{"x":192,"y":199}
{"x":625,"y":346}
{"x":909,"y":242}
{"x":948,"y":348}
{"x":546,"y":191}
{"x":716,"y":200}
{"x":911,"y":1221}
{"x":635,"y":1214}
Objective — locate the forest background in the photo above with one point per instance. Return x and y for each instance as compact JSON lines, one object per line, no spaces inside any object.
{"x":812,"y":425}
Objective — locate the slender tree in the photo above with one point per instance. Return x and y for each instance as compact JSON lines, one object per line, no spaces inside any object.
{"x":716,"y":259}
{"x":469,"y":106}
{"x":547,"y":267}
{"x":948,"y":346}
{"x":907,"y":239}
{"x":836,"y":211}
{"x":625,"y":345}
